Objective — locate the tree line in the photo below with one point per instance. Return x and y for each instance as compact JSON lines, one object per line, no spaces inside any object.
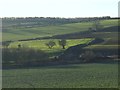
{"x":46,"y":21}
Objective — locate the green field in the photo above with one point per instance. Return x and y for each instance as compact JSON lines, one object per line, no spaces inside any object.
{"x":89,"y":75}
{"x":40,"y":44}
{"x":17,"y":33}
{"x":24,"y":33}
{"x":104,"y":47}
{"x":65,"y":76}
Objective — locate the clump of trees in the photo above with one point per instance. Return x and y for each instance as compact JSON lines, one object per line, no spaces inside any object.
{"x":61,"y":43}
{"x":5,"y":44}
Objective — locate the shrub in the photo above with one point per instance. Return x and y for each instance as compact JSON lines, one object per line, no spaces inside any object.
{"x":6,"y":43}
{"x":88,"y":56}
{"x":23,"y":55}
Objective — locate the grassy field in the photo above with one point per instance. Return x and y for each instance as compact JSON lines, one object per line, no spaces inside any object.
{"x":94,"y":75}
{"x":40,"y":44}
{"x":103,"y":47}
{"x":65,"y":76}
{"x":24,"y":33}
{"x":109,"y":23}
{"x":17,"y":33}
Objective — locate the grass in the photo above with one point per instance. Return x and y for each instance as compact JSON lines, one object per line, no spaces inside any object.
{"x":55,"y":51}
{"x":106,"y":34}
{"x":109,"y":23}
{"x":17,"y":33}
{"x":65,"y":76}
{"x":109,"y":43}
{"x":103,"y":47}
{"x":40,"y":44}
{"x":23,"y":33}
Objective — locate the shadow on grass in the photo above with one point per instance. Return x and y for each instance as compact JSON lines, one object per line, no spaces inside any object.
{"x":59,"y":65}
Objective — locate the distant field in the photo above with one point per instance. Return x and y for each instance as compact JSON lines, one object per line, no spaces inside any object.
{"x":103,"y":47}
{"x":108,"y":23}
{"x":17,"y":33}
{"x":24,"y":33}
{"x":65,"y":76}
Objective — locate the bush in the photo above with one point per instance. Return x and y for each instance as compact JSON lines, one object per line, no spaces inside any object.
{"x":6,"y":43}
{"x":88,"y":56}
{"x":23,"y":55}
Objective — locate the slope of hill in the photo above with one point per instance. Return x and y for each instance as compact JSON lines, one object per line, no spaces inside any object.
{"x":18,"y":33}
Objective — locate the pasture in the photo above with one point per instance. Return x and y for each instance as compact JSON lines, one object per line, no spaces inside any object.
{"x":40,"y":44}
{"x":17,"y":33}
{"x":82,"y":75}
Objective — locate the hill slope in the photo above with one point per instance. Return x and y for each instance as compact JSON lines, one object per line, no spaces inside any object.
{"x":17,"y":33}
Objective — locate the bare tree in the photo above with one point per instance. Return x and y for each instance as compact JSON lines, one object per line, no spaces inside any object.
{"x":50,"y":44}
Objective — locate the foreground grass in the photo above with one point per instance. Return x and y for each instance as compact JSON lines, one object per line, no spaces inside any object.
{"x":65,"y":76}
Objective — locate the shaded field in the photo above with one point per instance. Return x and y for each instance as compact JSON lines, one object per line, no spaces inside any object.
{"x":64,"y":76}
{"x":103,"y":47}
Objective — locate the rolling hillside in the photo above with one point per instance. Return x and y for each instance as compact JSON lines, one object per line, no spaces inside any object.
{"x":89,"y":60}
{"x":17,"y":33}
